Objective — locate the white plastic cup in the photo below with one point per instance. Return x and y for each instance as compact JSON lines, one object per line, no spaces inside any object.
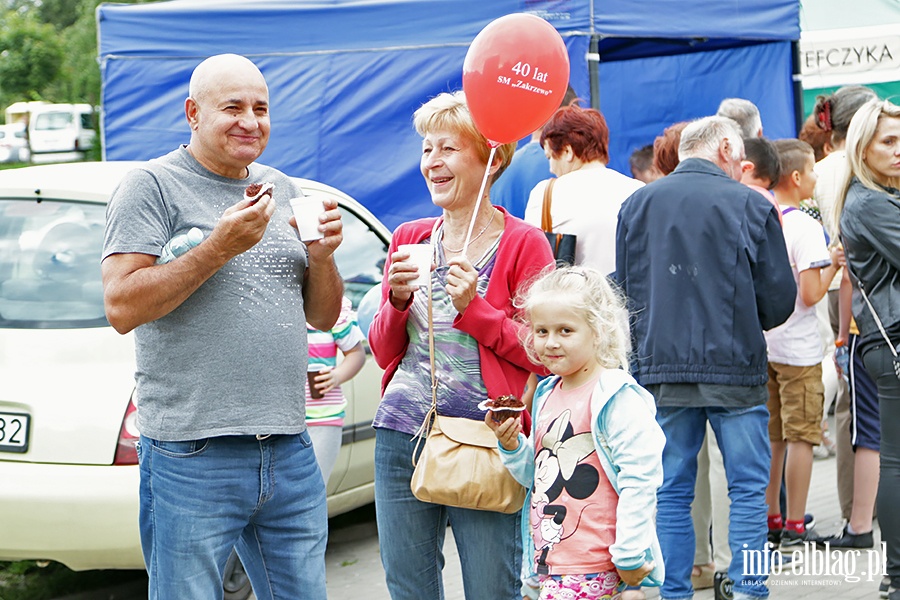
{"x":421,"y":255}
{"x":307,"y":210}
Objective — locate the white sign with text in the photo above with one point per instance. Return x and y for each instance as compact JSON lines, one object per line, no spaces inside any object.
{"x":850,"y":56}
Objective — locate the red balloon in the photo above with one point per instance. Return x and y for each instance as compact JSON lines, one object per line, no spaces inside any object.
{"x":515,"y":76}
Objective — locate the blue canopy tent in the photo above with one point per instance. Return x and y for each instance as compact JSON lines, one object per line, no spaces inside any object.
{"x":345,"y":76}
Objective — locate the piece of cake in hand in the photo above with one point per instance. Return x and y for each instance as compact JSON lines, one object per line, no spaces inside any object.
{"x":503,"y":407}
{"x":255,"y":191}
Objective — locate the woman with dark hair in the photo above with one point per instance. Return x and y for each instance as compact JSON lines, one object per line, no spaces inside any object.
{"x":586,"y":194}
{"x":815,"y":136}
{"x":832,"y":114}
{"x":868,"y":211}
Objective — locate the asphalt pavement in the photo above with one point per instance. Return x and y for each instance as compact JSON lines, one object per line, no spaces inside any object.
{"x":353,"y":566}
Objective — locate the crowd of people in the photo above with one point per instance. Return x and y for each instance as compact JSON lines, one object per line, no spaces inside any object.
{"x":672,"y":376}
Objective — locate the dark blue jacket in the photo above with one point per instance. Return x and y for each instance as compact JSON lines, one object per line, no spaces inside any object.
{"x":703,"y":262}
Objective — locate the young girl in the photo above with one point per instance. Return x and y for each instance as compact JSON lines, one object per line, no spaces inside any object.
{"x":325,"y":410}
{"x":594,"y":441}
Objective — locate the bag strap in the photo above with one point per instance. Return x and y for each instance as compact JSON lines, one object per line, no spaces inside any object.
{"x":425,"y":427}
{"x":877,"y":320}
{"x":546,"y":219}
{"x":865,"y":296}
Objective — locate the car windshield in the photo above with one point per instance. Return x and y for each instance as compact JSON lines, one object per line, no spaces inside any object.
{"x":50,"y":264}
{"x":360,"y":257}
{"x":53,"y":120}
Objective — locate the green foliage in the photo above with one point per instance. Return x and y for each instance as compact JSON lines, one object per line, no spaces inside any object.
{"x":31,"y":56}
{"x":48,"y":51}
{"x":59,"y":13}
{"x":79,"y":79}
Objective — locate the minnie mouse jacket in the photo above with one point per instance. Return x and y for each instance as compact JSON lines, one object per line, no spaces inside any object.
{"x":629,"y":444}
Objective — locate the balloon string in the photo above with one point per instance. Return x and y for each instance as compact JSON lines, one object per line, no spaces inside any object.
{"x":487,"y":172}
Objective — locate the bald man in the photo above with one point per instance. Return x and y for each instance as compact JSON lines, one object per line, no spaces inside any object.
{"x":220,"y":335}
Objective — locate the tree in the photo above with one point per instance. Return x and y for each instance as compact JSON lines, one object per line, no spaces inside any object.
{"x":59,"y":13}
{"x":79,"y":78}
{"x":31,"y":56}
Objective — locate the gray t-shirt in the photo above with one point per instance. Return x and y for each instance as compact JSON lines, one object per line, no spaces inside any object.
{"x":231,"y":360}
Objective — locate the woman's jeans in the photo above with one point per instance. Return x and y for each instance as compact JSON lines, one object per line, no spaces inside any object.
{"x":879,"y":364}
{"x":743,"y":438}
{"x":201,"y":498}
{"x":411,"y":535}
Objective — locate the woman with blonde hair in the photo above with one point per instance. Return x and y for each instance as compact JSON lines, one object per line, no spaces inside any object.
{"x":868,"y":219}
{"x":481,"y":255}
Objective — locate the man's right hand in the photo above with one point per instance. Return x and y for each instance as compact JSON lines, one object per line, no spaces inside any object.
{"x":136,"y":290}
{"x":242,"y":226}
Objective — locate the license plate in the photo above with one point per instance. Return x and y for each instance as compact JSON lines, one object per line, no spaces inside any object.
{"x":14,"y":432}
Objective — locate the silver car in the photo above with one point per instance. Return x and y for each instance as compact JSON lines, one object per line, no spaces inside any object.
{"x":68,"y":468}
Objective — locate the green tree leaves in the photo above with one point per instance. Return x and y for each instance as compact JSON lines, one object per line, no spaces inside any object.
{"x":31,"y":57}
{"x":48,"y":51}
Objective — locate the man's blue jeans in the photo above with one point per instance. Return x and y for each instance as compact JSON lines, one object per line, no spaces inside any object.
{"x":201,"y":498}
{"x":411,"y":535}
{"x":744,"y":442}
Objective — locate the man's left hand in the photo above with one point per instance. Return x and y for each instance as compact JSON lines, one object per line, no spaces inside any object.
{"x":331,"y":226}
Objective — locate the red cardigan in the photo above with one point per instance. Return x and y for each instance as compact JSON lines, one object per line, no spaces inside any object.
{"x":522,"y":254}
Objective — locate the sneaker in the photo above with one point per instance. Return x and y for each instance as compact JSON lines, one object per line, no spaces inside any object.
{"x":774,"y":537}
{"x":809,"y":521}
{"x":884,"y":587}
{"x":791,"y":538}
{"x":845,"y":539}
{"x":723,"y":586}
{"x":820,"y":452}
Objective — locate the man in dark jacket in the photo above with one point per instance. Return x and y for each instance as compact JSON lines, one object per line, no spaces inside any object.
{"x":703,"y":262}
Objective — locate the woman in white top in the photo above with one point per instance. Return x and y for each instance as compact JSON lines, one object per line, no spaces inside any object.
{"x":833,"y":113}
{"x":587,"y":195}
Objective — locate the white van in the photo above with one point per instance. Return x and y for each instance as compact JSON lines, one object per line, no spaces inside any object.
{"x":61,"y":128}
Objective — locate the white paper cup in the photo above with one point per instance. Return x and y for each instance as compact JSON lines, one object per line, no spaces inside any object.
{"x":307,"y":210}
{"x":420,"y":254}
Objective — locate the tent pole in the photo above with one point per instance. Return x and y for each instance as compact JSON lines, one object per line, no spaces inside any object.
{"x":797,"y":84}
{"x":593,"y":62}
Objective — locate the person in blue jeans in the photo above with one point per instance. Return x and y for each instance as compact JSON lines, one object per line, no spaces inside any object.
{"x":221,"y":344}
{"x":702,"y":261}
{"x":868,"y":213}
{"x":477,"y":355}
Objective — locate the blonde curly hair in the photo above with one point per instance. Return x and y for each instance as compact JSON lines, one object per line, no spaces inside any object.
{"x":590,"y":292}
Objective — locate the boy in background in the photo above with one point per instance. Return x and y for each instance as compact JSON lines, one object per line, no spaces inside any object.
{"x":796,"y":392}
{"x":761,"y":167}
